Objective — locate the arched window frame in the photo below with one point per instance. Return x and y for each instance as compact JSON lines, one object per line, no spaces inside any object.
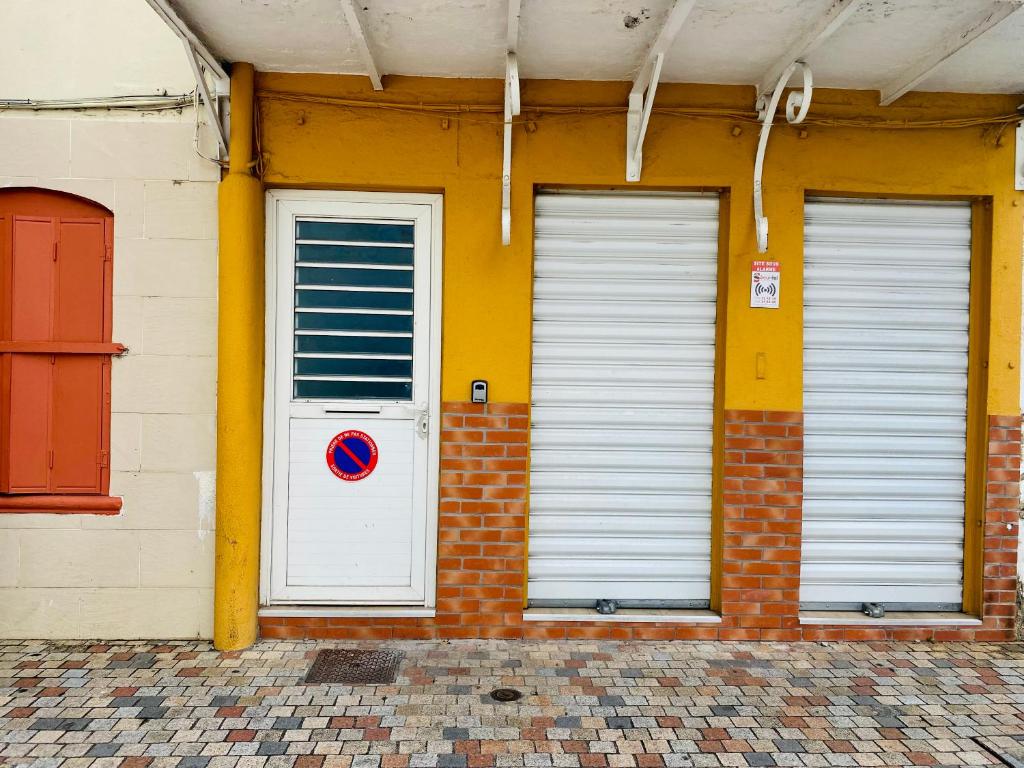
{"x":56,"y":324}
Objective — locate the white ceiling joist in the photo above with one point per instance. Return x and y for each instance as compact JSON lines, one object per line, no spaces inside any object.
{"x":645,"y":85}
{"x":512,"y":108}
{"x":191,"y":40}
{"x":978,"y":25}
{"x":354,"y":16}
{"x":512,"y":30}
{"x":204,"y":64}
{"x":838,"y":12}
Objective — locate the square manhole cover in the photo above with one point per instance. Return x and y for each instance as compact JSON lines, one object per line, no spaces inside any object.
{"x":353,"y":666}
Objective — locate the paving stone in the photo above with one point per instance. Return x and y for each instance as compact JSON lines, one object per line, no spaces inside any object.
{"x":103,"y":750}
{"x":587,"y":704}
{"x":272,"y":748}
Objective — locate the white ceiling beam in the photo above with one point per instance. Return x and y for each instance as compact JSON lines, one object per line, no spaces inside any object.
{"x":357,"y":24}
{"x":838,"y":12}
{"x":512,"y":29}
{"x":645,"y":86}
{"x":978,"y":25}
{"x":673,"y":23}
{"x":192,"y":40}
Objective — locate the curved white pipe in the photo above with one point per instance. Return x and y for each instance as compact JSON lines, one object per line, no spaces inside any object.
{"x":797,"y":106}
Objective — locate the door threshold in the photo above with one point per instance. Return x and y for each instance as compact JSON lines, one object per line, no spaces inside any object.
{"x":893,"y":619}
{"x":346,"y":611}
{"x":625,"y":615}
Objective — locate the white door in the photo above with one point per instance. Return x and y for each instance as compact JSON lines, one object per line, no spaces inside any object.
{"x":886,"y":303}
{"x":622,"y":404}
{"x":353,"y":302}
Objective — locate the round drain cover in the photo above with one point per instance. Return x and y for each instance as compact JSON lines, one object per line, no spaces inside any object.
{"x":506,"y":694}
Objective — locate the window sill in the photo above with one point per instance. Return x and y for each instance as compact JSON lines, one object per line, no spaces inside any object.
{"x":60,"y":505}
{"x":624,"y":616}
{"x":894,"y":619}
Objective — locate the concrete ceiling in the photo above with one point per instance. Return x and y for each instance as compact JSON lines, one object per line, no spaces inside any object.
{"x":722,"y":41}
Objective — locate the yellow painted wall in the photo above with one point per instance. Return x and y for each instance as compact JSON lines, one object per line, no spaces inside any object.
{"x":487,"y":288}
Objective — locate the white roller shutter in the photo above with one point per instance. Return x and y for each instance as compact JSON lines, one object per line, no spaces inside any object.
{"x":623,"y":379}
{"x":886,"y":300}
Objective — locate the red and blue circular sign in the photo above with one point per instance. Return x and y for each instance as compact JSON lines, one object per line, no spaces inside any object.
{"x":352,"y":455}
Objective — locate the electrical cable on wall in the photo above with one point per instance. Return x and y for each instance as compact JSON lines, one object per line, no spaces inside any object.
{"x":132,"y":103}
{"x":468,"y":113}
{"x":195,"y":135}
{"x":137,"y":103}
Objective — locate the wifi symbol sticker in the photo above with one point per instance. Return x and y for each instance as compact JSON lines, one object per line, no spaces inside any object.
{"x":764,"y":284}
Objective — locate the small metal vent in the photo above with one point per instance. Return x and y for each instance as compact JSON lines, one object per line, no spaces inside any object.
{"x":352,"y":666}
{"x":506,"y":695}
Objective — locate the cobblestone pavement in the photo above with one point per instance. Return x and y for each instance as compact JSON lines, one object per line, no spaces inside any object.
{"x":584,"y":704}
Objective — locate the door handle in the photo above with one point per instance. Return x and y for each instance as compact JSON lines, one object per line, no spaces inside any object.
{"x":423,"y":423}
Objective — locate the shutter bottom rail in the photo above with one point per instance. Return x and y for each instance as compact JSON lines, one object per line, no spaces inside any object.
{"x":59,"y":504}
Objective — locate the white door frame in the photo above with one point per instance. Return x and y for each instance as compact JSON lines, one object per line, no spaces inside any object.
{"x":275,"y":439}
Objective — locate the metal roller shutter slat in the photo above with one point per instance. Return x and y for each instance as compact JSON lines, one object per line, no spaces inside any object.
{"x":623,"y":385}
{"x":885,"y":384}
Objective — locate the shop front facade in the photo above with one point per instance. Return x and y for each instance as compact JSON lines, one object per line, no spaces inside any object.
{"x":608,"y":351}
{"x":680,"y":437}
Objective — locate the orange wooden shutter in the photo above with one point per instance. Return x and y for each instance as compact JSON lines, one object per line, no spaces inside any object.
{"x":55,"y":324}
{"x":29,"y":439}
{"x":32,"y":250}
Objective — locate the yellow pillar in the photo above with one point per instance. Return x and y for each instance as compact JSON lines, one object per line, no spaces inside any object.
{"x":239,"y":380}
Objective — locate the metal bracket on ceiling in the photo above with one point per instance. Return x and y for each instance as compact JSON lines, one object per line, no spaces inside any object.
{"x":513,"y":106}
{"x":821,"y":28}
{"x":211,"y":78}
{"x":210,"y":97}
{"x":797,"y":105}
{"x":638,"y":116}
{"x":645,"y":85}
{"x":1018,"y":176}
{"x":776,"y":78}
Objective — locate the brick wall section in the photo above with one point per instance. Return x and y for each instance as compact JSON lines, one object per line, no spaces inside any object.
{"x":1002,"y":523}
{"x":482,"y":525}
{"x":762,"y":487}
{"x":482,"y":541}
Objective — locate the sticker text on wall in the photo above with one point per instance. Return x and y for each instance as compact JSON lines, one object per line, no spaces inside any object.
{"x":764,"y":284}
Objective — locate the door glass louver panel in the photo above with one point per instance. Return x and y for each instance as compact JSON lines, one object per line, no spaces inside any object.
{"x":353,"y":310}
{"x":886,"y":310}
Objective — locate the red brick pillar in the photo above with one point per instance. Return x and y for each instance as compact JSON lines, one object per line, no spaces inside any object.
{"x":482,"y":520}
{"x":762,"y":498}
{"x":1002,"y":520}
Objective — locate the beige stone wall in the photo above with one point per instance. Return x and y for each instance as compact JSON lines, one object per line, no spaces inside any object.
{"x":58,"y":49}
{"x":148,"y":572}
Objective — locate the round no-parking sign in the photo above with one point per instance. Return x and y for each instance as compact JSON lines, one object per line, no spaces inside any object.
{"x":352,"y":455}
